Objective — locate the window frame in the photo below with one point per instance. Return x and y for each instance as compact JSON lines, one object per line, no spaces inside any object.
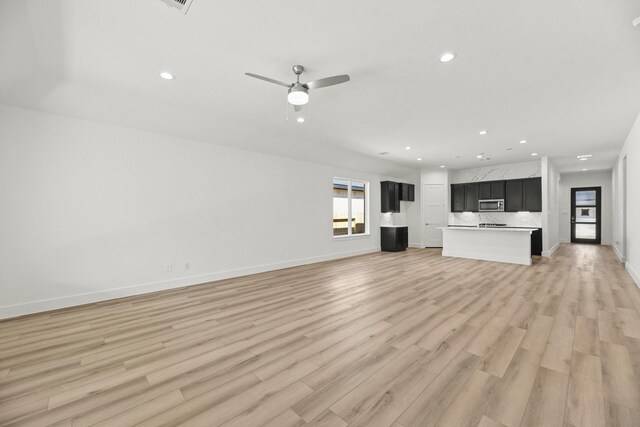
{"x":367,"y":216}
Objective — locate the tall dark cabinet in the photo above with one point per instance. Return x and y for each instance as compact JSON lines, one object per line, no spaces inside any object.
{"x":390,"y":196}
{"x":457,"y":198}
{"x":471,"y":197}
{"x":513,"y":195}
{"x":532,"y":194}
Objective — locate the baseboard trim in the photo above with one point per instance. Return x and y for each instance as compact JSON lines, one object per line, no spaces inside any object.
{"x":633,"y":273}
{"x":617,"y":252}
{"x":551,"y":251}
{"x":32,"y":307}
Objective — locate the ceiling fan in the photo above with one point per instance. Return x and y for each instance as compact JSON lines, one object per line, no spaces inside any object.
{"x":299,"y":92}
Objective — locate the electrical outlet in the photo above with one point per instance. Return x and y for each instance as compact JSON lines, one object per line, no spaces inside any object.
{"x":168,"y":268}
{"x":187,"y":265}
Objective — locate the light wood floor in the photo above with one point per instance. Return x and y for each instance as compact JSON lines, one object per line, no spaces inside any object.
{"x":406,"y":339}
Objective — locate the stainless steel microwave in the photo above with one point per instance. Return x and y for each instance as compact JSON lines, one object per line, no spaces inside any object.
{"x":492,"y":205}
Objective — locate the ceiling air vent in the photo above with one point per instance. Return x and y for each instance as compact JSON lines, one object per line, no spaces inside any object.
{"x":182,"y":5}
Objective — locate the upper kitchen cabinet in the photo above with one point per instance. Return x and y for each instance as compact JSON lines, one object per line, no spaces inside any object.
{"x":471,"y":192}
{"x":532,"y":194}
{"x":491,"y":190}
{"x":457,"y":197}
{"x":407,"y":192}
{"x":513,"y":195}
{"x":523,"y":195}
{"x":390,"y":196}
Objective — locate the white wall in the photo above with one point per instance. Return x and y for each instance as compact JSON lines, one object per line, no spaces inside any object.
{"x":631,"y":240}
{"x":550,"y":207}
{"x":91,"y":211}
{"x":586,"y":179}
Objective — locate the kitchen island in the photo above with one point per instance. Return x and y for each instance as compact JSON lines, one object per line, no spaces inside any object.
{"x":503,"y":244}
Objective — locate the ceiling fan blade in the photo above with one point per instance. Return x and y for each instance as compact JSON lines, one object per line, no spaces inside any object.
{"x":267,"y":79}
{"x":328,"y":81}
{"x":297,"y":108}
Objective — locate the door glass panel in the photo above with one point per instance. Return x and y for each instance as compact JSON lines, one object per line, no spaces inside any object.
{"x":585,"y":231}
{"x":586,"y":215}
{"x":585,"y":198}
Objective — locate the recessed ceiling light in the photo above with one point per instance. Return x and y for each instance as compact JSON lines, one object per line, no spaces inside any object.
{"x":483,"y":132}
{"x":584,"y":156}
{"x":300,"y":119}
{"x":419,"y":159}
{"x":446,"y":57}
{"x":524,"y":141}
{"x":479,"y":156}
{"x":407,"y":148}
{"x":167,"y":76}
{"x":636,"y":22}
{"x":534,"y":154}
{"x":441,"y":166}
{"x":584,"y":170}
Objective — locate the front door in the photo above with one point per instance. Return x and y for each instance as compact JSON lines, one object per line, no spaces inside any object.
{"x":433,"y":209}
{"x":585,"y":215}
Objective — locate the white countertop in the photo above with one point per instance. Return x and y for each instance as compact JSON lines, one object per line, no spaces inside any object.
{"x":528,"y":230}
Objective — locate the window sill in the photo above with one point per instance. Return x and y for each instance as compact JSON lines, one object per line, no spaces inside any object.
{"x":352,"y":236}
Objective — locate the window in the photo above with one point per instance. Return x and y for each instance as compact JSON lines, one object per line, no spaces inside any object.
{"x":350,"y":207}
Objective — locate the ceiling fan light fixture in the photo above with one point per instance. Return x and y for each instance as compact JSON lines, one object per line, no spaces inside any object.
{"x":298,"y":95}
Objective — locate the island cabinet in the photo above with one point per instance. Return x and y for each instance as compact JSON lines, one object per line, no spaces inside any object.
{"x":457,"y":198}
{"x":491,"y":190}
{"x":536,"y":242}
{"x":471,"y":197}
{"x":394,"y":239}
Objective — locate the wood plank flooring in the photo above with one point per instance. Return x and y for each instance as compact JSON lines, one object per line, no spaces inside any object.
{"x":388,"y":339}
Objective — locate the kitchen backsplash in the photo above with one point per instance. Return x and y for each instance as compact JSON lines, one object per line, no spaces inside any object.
{"x":497,"y":172}
{"x":512,"y":219}
{"x":390,"y":218}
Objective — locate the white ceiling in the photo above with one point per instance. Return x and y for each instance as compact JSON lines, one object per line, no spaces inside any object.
{"x":564,"y":75}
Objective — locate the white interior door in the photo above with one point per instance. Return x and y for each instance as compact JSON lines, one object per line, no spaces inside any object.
{"x":433,"y":212}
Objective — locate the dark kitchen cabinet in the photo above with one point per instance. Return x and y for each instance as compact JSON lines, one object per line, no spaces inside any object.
{"x":513,"y":195}
{"x":523,"y":195}
{"x":471,"y":197}
{"x":394,"y":239}
{"x":457,"y":197}
{"x":389,"y":196}
{"x":536,"y":242}
{"x":491,"y":190}
{"x":497,"y":189}
{"x":407,"y":192}
{"x":532,"y":194}
{"x":485,"y":190}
